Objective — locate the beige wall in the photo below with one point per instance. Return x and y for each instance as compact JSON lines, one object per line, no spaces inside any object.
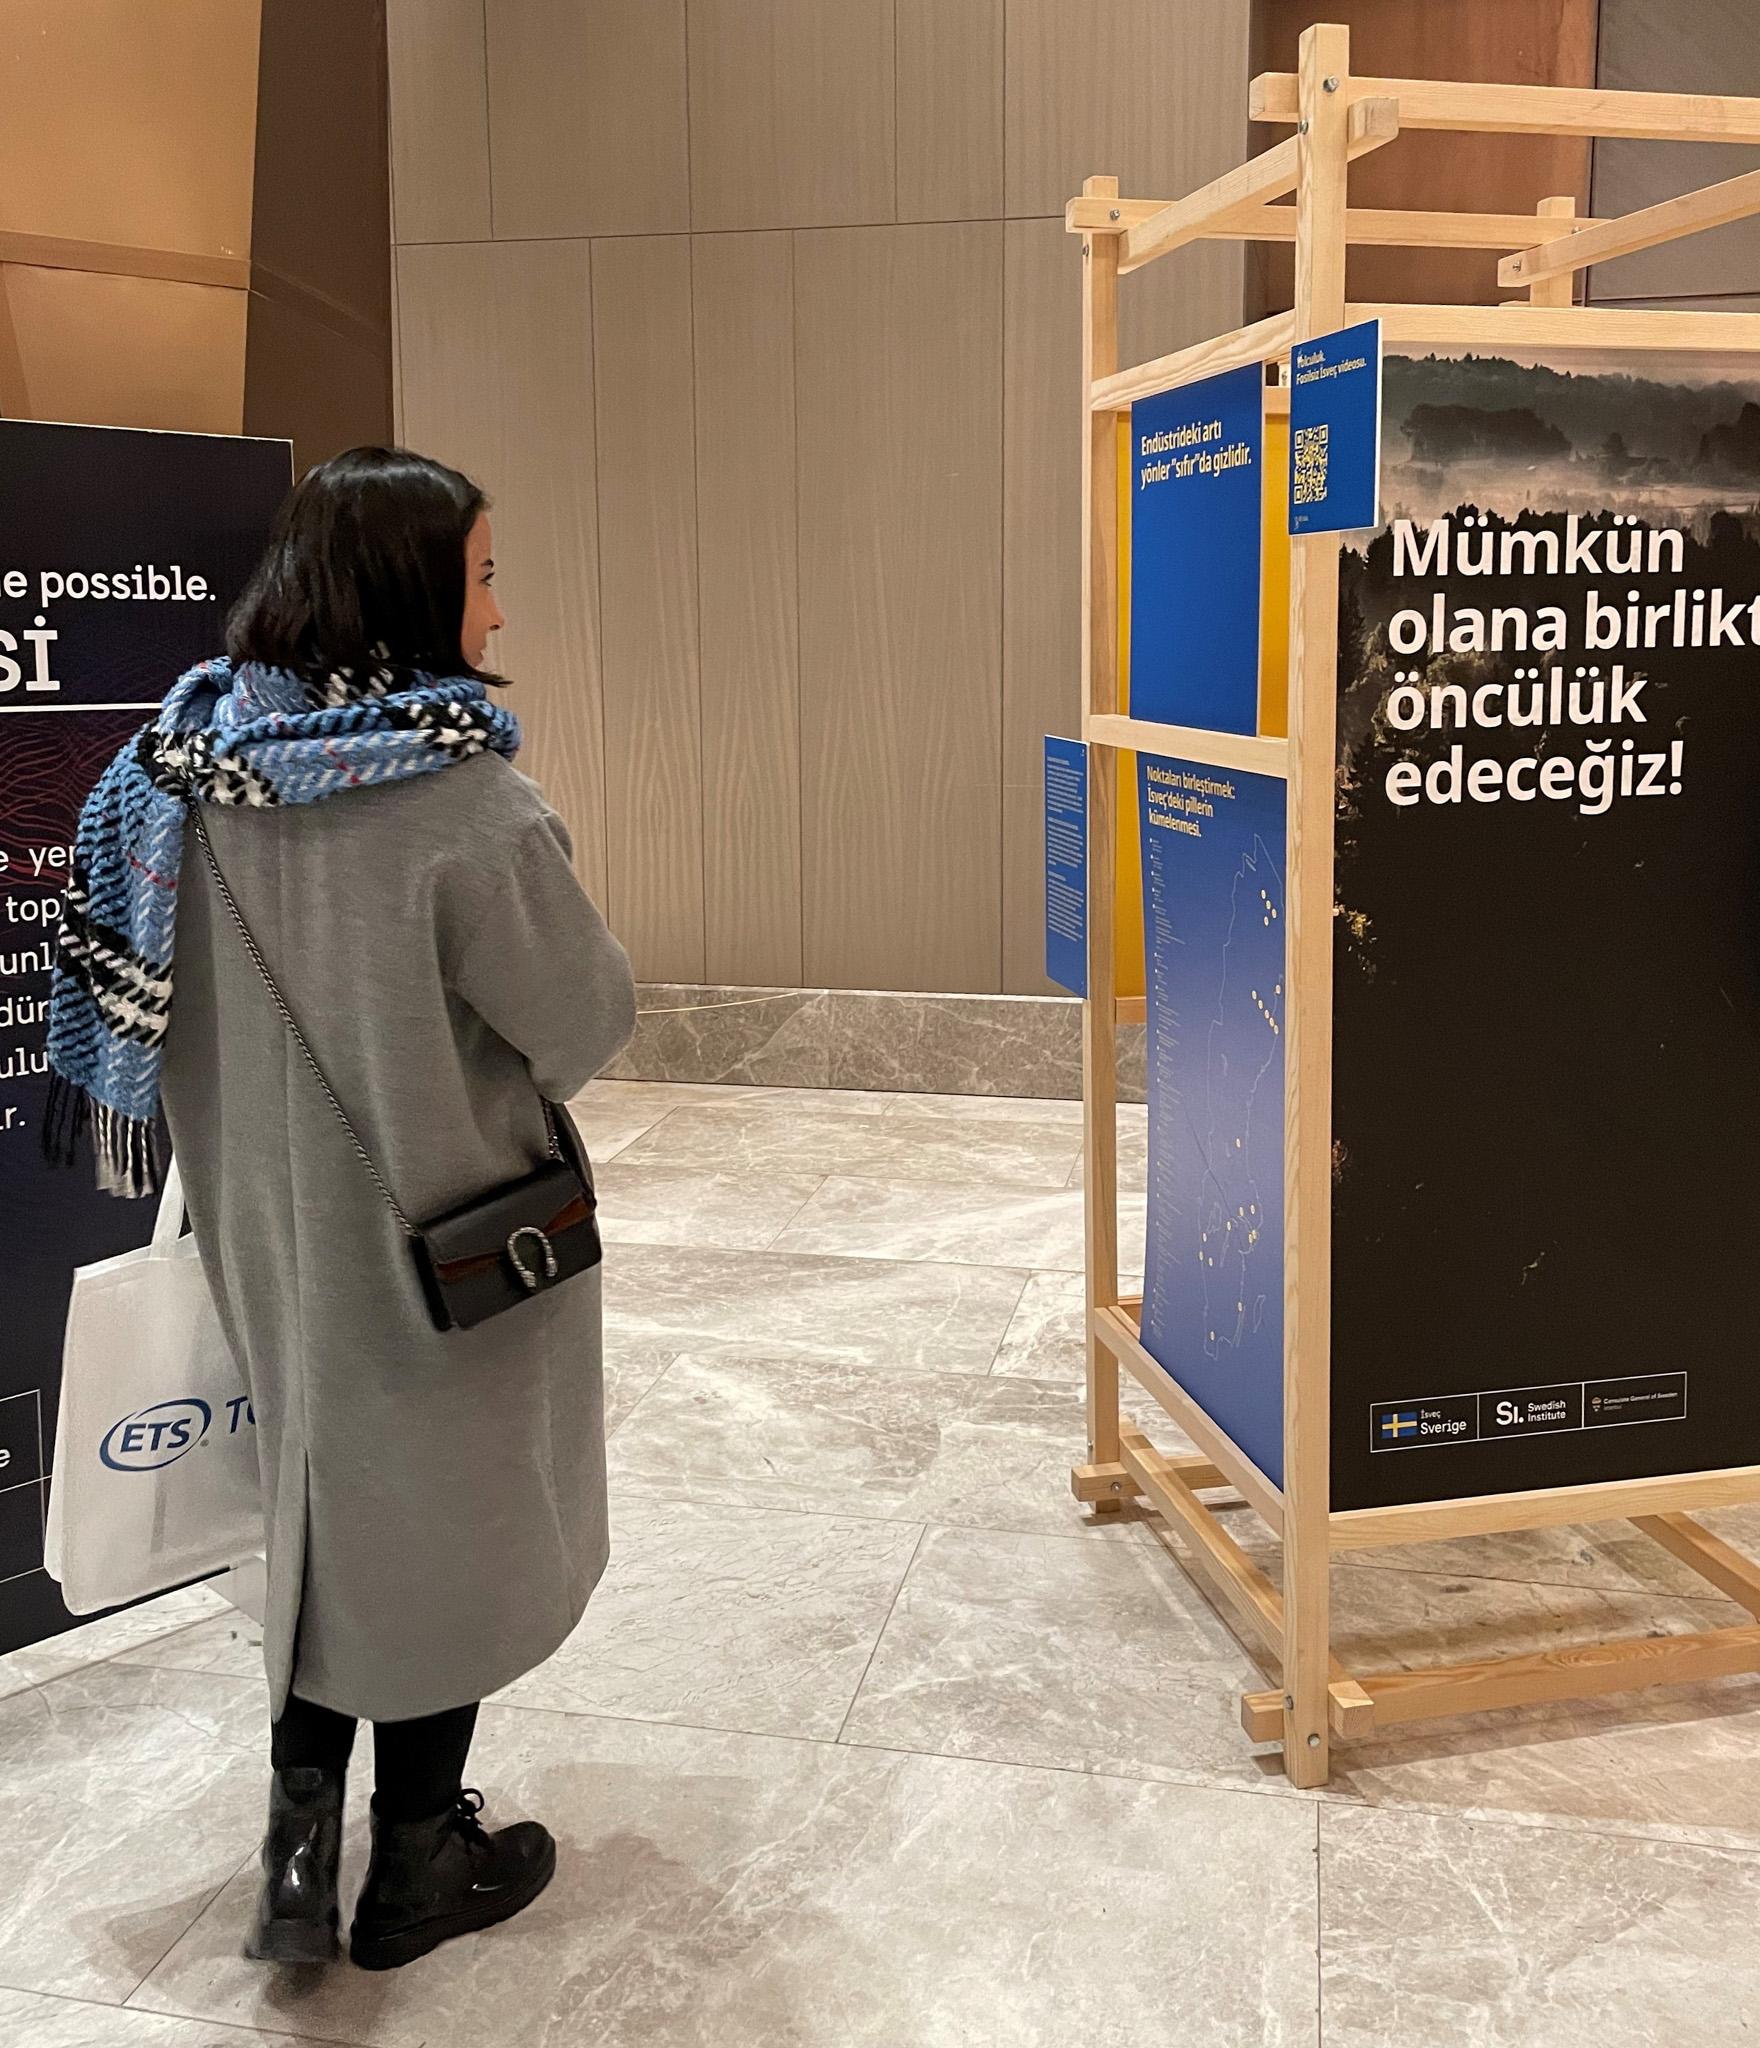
{"x":758,"y":318}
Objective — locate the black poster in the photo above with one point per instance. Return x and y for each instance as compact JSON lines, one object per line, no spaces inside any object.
{"x":120,"y":552}
{"x":1547,"y":953}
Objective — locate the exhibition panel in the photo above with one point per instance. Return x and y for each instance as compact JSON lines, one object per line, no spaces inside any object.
{"x":1451,"y":991}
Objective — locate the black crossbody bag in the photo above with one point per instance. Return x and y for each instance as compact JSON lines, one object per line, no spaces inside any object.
{"x":490,"y":1254}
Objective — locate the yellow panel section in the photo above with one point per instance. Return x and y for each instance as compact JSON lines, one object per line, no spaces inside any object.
{"x":1274,"y":584}
{"x":1127,"y":919}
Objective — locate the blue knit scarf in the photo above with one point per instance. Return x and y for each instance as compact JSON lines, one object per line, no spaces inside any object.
{"x":258,"y":736}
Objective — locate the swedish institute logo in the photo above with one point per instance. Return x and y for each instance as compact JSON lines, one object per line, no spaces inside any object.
{"x":1401,"y":1424}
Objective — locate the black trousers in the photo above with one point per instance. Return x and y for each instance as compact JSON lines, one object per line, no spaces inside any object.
{"x":418,"y":1766}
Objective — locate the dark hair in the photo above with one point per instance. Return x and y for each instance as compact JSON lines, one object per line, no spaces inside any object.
{"x":364,"y":570}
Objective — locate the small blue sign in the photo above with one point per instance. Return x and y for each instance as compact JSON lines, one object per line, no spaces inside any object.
{"x":1197,"y":475}
{"x":1066,"y":863}
{"x":1335,"y":431}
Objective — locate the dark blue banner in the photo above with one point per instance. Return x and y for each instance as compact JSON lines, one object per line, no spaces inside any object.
{"x":120,"y":552}
{"x":1335,"y":431}
{"x":1213,"y":921}
{"x":1196,"y":479}
{"x":1066,"y":863}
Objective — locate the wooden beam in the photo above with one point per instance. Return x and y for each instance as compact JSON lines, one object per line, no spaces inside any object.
{"x":1713,"y":1559}
{"x":1119,"y":1334}
{"x":1349,"y":1708}
{"x":1373,"y":123}
{"x":1532,"y":109}
{"x":1232,"y":1577}
{"x":1515,"y":324}
{"x":1244,"y":752}
{"x":1308,"y":898}
{"x":1560,"y":290}
{"x":1184,"y":220}
{"x":1099,"y":698}
{"x":1543,"y":1508}
{"x":1112,"y":1482}
{"x":1364,"y":226}
{"x":1131,"y":1009}
{"x":1712,"y":206}
{"x":1262,"y":342}
{"x":1585,"y":1672}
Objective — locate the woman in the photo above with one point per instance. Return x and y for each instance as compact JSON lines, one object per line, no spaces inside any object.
{"x":435,"y":1500}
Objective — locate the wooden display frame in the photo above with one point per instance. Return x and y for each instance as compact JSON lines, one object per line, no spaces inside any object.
{"x":1311,"y":1700}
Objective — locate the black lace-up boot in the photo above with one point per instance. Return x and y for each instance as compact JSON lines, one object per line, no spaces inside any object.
{"x":432,"y":1879}
{"x":297,"y":1913}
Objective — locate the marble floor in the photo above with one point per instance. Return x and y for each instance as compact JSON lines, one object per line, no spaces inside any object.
{"x":870,"y":1738}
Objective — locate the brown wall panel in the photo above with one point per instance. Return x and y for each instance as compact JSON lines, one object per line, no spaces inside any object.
{"x":1151,"y":91}
{"x":439,"y":120}
{"x":182,"y":368}
{"x":648,"y":595}
{"x":899,"y":352}
{"x":1710,"y":46}
{"x":497,"y":347}
{"x":1519,"y":42}
{"x":306,"y":383}
{"x":131,"y":121}
{"x":743,"y":307}
{"x":791,"y":113}
{"x":949,"y":109}
{"x":587,"y":107}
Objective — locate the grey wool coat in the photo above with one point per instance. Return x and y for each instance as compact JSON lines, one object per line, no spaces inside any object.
{"x":435,"y":1501}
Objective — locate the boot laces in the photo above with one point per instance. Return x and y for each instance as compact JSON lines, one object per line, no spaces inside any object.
{"x":465,"y":1820}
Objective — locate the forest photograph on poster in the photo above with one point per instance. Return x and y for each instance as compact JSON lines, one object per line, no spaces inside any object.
{"x":1547,"y":929}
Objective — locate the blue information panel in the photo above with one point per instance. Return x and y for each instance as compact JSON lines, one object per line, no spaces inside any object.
{"x":1196,"y":480}
{"x":1066,"y":863}
{"x":1335,"y":431}
{"x":1213,"y":920}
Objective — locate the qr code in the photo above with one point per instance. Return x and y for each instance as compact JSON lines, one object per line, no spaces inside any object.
{"x":1310,"y":465}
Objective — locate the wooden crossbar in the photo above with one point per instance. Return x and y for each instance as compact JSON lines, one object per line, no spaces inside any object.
{"x":1261,"y":178}
{"x":1712,"y":206}
{"x":1545,"y":1508}
{"x":1713,"y":1559}
{"x":1263,"y":342}
{"x":1472,"y":109}
{"x":1364,"y":226}
{"x":1242,"y":751}
{"x":1118,"y":1333}
{"x":1517,"y":325}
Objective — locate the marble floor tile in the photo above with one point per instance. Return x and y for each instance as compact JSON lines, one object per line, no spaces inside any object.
{"x":1044,"y":1341}
{"x":128,"y":1797}
{"x":774,"y":1135}
{"x":973,"y":1223}
{"x":914,"y":1447}
{"x":991,"y":1109}
{"x":1090,"y":1653}
{"x":686,"y":1205}
{"x":766,"y":1305}
{"x":630,"y":1370}
{"x":1133,"y":1150}
{"x":94,"y":1641}
{"x":721,"y":1891}
{"x":727,"y":1617}
{"x":1439,"y":1931}
{"x":29,"y":2020}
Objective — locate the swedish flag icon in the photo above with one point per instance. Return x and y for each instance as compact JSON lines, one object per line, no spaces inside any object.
{"x":1402,"y":1423}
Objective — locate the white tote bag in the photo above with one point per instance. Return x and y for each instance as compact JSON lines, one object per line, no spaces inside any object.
{"x":156,"y":1479}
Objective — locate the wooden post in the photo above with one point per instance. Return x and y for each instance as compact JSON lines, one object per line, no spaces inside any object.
{"x":1099,"y":699}
{"x":1554,"y":291}
{"x":1307,"y":1285}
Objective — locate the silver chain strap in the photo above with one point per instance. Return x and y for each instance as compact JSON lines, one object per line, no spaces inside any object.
{"x":287,"y":1017}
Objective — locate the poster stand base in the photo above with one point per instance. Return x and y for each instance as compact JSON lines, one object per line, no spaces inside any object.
{"x":1310,"y":1699}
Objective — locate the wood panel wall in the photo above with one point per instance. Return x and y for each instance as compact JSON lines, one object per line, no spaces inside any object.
{"x":758,"y":319}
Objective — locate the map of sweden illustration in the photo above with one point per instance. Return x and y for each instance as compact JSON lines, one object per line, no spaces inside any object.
{"x":1215,"y":933}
